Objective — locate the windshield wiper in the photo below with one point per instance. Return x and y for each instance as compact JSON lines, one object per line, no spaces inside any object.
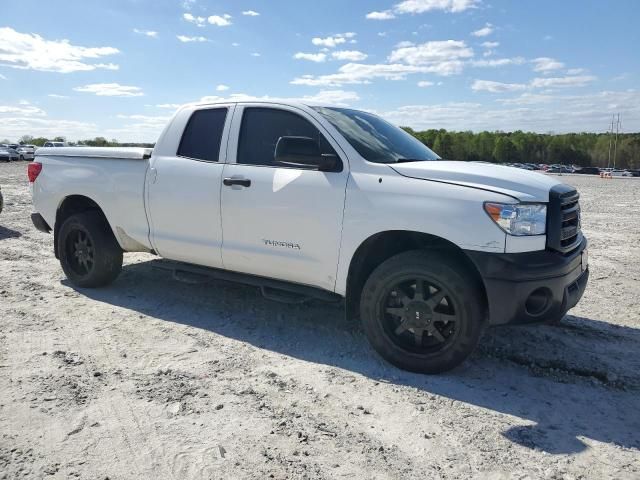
{"x":405,"y":160}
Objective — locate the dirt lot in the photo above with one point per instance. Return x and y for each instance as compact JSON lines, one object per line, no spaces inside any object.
{"x":152,"y":378}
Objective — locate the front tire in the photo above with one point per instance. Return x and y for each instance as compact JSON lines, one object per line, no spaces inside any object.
{"x":422,"y":312}
{"x":89,"y":253}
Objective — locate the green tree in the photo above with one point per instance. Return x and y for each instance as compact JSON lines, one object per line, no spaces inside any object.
{"x":505,"y":150}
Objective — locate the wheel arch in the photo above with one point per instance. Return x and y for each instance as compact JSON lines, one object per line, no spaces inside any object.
{"x":383,"y":245}
{"x":72,"y":205}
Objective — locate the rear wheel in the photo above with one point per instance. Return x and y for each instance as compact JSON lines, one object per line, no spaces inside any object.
{"x":422,"y":313}
{"x":89,"y":253}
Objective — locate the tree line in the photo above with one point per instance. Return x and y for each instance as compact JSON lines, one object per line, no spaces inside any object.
{"x":584,"y":149}
{"x":91,"y":142}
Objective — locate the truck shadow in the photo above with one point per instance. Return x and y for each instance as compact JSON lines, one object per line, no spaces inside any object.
{"x":8,"y":233}
{"x":566,"y":382}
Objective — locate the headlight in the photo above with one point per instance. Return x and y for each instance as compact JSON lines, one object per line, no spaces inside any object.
{"x":519,"y":218}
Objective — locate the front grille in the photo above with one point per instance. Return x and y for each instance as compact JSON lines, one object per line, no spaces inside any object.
{"x":563,"y":219}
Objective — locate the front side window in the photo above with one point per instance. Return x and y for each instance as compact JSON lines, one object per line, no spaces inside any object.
{"x":375,"y":139}
{"x":203,"y":134}
{"x":262,"y":128}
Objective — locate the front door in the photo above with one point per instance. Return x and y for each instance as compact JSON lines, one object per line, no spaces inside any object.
{"x":280,"y":222}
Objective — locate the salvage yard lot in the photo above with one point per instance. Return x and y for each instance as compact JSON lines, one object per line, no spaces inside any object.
{"x":152,"y":378}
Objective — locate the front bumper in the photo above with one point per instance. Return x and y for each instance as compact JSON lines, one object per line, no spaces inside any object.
{"x":533,"y":286}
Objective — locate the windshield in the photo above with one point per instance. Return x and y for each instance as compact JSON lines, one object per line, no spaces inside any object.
{"x":375,"y":139}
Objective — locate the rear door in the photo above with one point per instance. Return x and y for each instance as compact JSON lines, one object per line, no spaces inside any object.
{"x":184,"y":190}
{"x":280,"y":222}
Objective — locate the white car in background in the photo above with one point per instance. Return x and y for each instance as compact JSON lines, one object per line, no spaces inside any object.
{"x":26,"y":152}
{"x":621,"y":173}
{"x":55,"y":144}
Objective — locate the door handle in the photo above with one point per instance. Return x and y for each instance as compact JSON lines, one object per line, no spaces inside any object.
{"x":245,"y":182}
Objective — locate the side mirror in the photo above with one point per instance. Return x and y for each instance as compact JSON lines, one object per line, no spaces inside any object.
{"x":304,"y":152}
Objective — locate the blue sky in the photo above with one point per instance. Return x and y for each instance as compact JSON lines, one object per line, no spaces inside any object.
{"x":82,"y":68}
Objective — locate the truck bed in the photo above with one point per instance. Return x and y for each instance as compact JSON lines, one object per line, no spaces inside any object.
{"x":112,"y":177}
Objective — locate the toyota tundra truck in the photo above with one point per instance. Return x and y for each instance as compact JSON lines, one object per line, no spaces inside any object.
{"x":328,"y":203}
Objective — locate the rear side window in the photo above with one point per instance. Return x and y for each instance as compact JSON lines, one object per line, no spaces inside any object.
{"x":262,"y":128}
{"x":203,"y":134}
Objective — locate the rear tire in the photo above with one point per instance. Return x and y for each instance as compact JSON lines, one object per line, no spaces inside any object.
{"x":89,"y":253}
{"x":422,"y":312}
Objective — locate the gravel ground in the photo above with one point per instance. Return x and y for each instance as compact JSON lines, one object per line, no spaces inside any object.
{"x":153,"y":378}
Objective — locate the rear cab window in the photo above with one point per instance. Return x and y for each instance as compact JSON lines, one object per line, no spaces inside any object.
{"x":203,"y":134}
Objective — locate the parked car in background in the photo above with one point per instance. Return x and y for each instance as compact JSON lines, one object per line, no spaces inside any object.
{"x":26,"y":152}
{"x":621,"y":173}
{"x":588,"y":171}
{"x":554,"y":169}
{"x":635,"y":173}
{"x":55,"y":144}
{"x":1,"y":200}
{"x":8,"y":154}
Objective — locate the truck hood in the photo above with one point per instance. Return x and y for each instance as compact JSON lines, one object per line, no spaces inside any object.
{"x":525,"y":185}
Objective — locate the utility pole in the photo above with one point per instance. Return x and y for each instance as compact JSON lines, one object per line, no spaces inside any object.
{"x":615,"y":144}
{"x":610,"y":135}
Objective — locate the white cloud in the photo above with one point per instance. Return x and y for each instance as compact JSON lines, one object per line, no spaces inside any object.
{"x":358,"y":73}
{"x":30,"y":51}
{"x":334,"y":40}
{"x":498,"y":62}
{"x":148,"y":33}
{"x":496,"y":87}
{"x":222,"y":88}
{"x":250,"y":13}
{"x":255,"y":54}
{"x":172,"y":106}
{"x":23,"y":108}
{"x":220,"y":20}
{"x":312,"y":57}
{"x":425,"y":83}
{"x":111,"y":90}
{"x":55,"y":95}
{"x":199,"y":21}
{"x":570,"y":81}
{"x":546,"y":64}
{"x":490,"y":44}
{"x":349,"y":55}
{"x":527,"y":99}
{"x":14,"y":127}
{"x":442,"y":57}
{"x":575,"y":71}
{"x":186,"y":39}
{"x":421,"y":6}
{"x":2,"y":77}
{"x":484,"y":31}
{"x":574,"y":113}
{"x":323,"y":97}
{"x":235,"y":44}
{"x":384,"y":15}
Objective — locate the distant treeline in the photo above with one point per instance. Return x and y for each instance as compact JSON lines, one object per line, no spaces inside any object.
{"x":584,"y":149}
{"x":93,"y":142}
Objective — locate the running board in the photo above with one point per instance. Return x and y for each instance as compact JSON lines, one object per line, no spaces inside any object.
{"x":271,"y":289}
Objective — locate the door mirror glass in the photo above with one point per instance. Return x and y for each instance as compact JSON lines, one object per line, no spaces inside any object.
{"x":303,"y":152}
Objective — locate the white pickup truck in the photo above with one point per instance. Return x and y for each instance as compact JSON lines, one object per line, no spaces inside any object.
{"x":326,"y":203}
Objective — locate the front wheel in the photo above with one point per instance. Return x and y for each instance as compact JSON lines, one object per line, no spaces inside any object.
{"x":422,"y":312}
{"x":89,"y":253}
